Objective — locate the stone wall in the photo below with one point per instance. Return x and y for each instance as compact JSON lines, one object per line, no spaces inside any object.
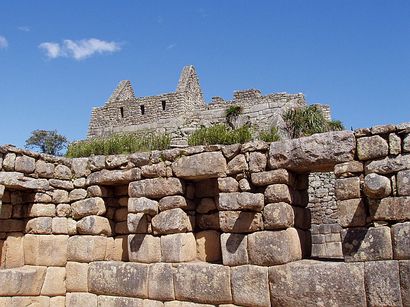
{"x":209,"y":225}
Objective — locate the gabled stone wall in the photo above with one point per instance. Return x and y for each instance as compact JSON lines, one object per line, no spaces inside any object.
{"x":209,"y":225}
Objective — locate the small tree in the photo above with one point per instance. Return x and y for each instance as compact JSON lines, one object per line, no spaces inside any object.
{"x":49,"y":142}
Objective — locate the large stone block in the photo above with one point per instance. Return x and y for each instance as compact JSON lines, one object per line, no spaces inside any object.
{"x":86,"y":248}
{"x":118,"y":279}
{"x":44,"y":169}
{"x":171,"y":221}
{"x":241,"y":201}
{"x":54,"y":283}
{"x":403,"y":183}
{"x":89,"y":206}
{"x":40,"y":301}
{"x":144,"y":248}
{"x":228,"y":185}
{"x":200,"y":166}
{"x":114,"y":177}
{"x":388,"y":165}
{"x":278,"y":216}
{"x":347,"y":188}
{"x":376,"y":186}
{"x":81,"y":299}
{"x":274,"y":247}
{"x":352,"y":212}
{"x":172,"y":202}
{"x":12,"y":251}
{"x":143,"y":205}
{"x":316,"y":283}
{"x":208,"y":245}
{"x":240,"y":221}
{"x":390,"y":209}
{"x":62,"y":172}
{"x":45,"y":250}
{"x":401,"y":240}
{"x":319,"y":152}
{"x":276,"y":193}
{"x":179,"y":247}
{"x":26,"y":280}
{"x":348,"y":169}
{"x":94,"y":225}
{"x":77,"y":277}
{"x":137,"y":223}
{"x":257,"y":161}
{"x":272,"y":177}
{"x":234,"y":249}
{"x":404,"y":267}
{"x":113,"y":301}
{"x":39,"y":225}
{"x":372,"y":147}
{"x":237,"y":165}
{"x":155,"y":188}
{"x":79,"y":166}
{"x":25,"y":164}
{"x":250,"y":286}
{"x":367,"y":244}
{"x":203,"y":283}
{"x":382,"y":283}
{"x":161,"y":282}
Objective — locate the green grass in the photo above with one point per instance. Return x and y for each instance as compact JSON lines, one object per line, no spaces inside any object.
{"x":220,"y":134}
{"x":119,"y":144}
{"x":271,"y":135}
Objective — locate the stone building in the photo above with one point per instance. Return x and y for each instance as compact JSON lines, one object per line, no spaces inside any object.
{"x":184,"y":110}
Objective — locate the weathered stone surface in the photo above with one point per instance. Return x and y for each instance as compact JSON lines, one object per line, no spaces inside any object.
{"x":25,"y":164}
{"x":348,"y":169}
{"x":61,"y":184}
{"x":60,"y":197}
{"x":137,"y":223}
{"x":390,"y":209}
{"x":44,"y":169}
{"x":9,"y":161}
{"x":208,"y":246}
{"x":394,"y":144}
{"x":352,"y":212}
{"x":77,"y":277}
{"x":161,"y":282}
{"x":367,"y":244}
{"x":206,"y":205}
{"x":347,"y":188}
{"x":257,"y":161}
{"x":118,"y":278}
{"x":114,"y":177}
{"x":230,"y":151}
{"x":234,"y":249}
{"x":256,"y":145}
{"x":278,"y":216}
{"x":200,"y":166}
{"x":244,"y":185}
{"x":237,"y":165}
{"x":228,"y":184}
{"x":268,"y":248}
{"x":240,"y":221}
{"x":241,"y":201}
{"x":144,"y":248}
{"x":143,"y":205}
{"x":86,"y":248}
{"x":62,"y":172}
{"x":382,"y":283}
{"x":319,"y":152}
{"x":272,"y":177}
{"x":404,"y":267}
{"x":315,"y":283}
{"x":117,"y":301}
{"x":81,"y":299}
{"x":171,"y":221}
{"x":22,"y":281}
{"x":372,"y":147}
{"x":155,"y":188}
{"x":12,"y":251}
{"x":406,"y":143}
{"x":186,"y":304}
{"x":376,"y":186}
{"x":172,"y":202}
{"x":94,"y":225}
{"x":89,"y":206}
{"x":45,"y":250}
{"x":39,"y":225}
{"x":77,"y":194}
{"x":203,"y":283}
{"x":54,"y":283}
{"x":179,"y":247}
{"x":250,"y":286}
{"x":388,"y":165}
{"x":154,"y":170}
{"x":403,"y":183}
{"x":401,"y":240}
{"x":276,"y":193}
{"x":79,"y":166}
{"x":63,"y":210}
{"x":38,"y":209}
{"x":16,"y":180}
{"x":59,"y":225}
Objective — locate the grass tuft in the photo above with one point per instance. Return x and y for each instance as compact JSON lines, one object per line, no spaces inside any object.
{"x":220,"y":134}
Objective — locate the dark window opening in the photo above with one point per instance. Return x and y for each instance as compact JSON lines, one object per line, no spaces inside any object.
{"x":122,"y":112}
{"x":142,"y":109}
{"x":164,"y":103}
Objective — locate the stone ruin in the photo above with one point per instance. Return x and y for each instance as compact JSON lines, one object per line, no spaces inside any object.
{"x":183,"y":111}
{"x":236,"y":225}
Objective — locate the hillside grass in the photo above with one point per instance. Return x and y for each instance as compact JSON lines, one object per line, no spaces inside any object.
{"x":220,"y":134}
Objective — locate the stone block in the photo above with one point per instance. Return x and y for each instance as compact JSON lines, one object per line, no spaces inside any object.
{"x":367,"y":244}
{"x":116,"y":301}
{"x":313,"y":283}
{"x":62,"y":172}
{"x":12,"y":253}
{"x":268,"y":248}
{"x":208,"y":246}
{"x":54,"y":283}
{"x":348,"y":169}
{"x":186,"y":304}
{"x":234,"y":249}
{"x":171,"y":221}
{"x":36,"y":210}
{"x":61,"y":184}
{"x":390,"y":209}
{"x":94,"y":225}
{"x":143,"y":205}
{"x":203,"y":283}
{"x":388,"y":165}
{"x":278,"y":176}
{"x":250,"y":286}
{"x":276,"y":193}
{"x":180,"y":247}
{"x":228,"y":184}
{"x":240,"y":201}
{"x":144,"y":248}
{"x":57,"y":301}
{"x":81,"y":299}
{"x":161,"y":282}
{"x":89,"y":206}
{"x":39,"y":225}
{"x":63,"y":210}
{"x":230,"y":151}
{"x":114,"y":177}
{"x":401,"y":240}
{"x":60,"y":197}
{"x":237,"y":165}
{"x":45,"y":250}
{"x":44,"y":169}
{"x":257,"y":162}
{"x":137,"y":223}
{"x":244,"y":185}
{"x":77,"y":277}
{"x":120,"y":249}
{"x":352,"y":212}
{"x":372,"y":147}
{"x":77,"y":194}
{"x":86,"y":248}
{"x":347,"y":188}
{"x":25,"y":164}
{"x":172,"y":202}
{"x":376,"y":186}
{"x":40,"y":301}
{"x":200,"y":166}
{"x":394,"y":144}
{"x":403,"y":183}
{"x":382,"y":283}
{"x":240,"y":221}
{"x":118,"y":279}
{"x":278,"y":216}
{"x":155,"y":188}
{"x":404,"y":267}
{"x":26,"y":280}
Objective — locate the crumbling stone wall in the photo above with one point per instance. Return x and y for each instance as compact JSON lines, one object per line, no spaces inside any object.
{"x":208,"y":225}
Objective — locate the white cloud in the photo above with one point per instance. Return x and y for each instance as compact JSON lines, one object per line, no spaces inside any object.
{"x":24,"y":28}
{"x":3,"y":42}
{"x":171,"y":46}
{"x":80,"y":49}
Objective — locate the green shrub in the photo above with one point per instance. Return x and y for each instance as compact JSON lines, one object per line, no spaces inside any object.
{"x":220,"y":134}
{"x":271,"y":135}
{"x":122,"y":143}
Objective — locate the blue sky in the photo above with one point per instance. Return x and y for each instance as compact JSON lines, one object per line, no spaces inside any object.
{"x":58,"y":59}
